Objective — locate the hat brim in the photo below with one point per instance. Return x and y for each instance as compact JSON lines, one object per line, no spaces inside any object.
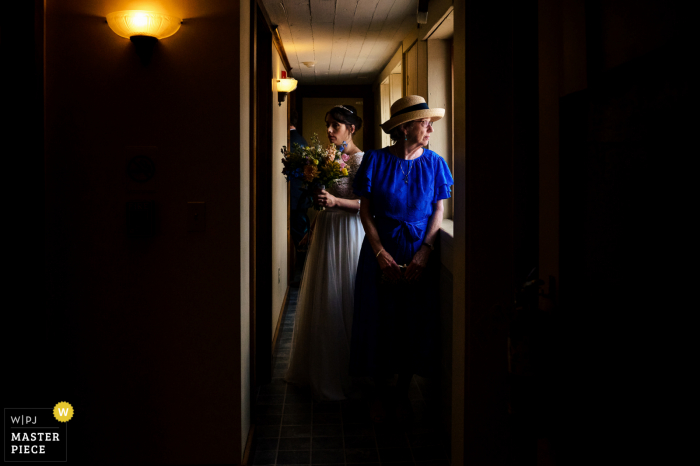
{"x":433,"y":113}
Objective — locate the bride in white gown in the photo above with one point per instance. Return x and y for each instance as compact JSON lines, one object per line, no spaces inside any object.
{"x":321,"y":342}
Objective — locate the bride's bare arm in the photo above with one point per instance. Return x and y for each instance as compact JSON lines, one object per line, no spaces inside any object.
{"x":326,"y":199}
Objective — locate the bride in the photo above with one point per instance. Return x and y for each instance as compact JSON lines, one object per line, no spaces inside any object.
{"x":321,"y":342}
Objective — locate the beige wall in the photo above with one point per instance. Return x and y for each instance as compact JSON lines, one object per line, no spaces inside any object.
{"x":244,"y":225}
{"x":160,"y":324}
{"x":439,"y":95}
{"x":279,"y":198}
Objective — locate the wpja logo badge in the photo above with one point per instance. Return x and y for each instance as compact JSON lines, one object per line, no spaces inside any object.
{"x":37,"y":434}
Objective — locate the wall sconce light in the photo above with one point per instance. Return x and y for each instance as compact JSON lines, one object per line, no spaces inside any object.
{"x":284,"y":86}
{"x":144,"y":26}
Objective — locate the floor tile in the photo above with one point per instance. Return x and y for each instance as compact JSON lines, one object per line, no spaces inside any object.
{"x":327,"y":418}
{"x":281,"y":365}
{"x":296,"y":419}
{"x":270,"y":399}
{"x":327,"y":457}
{"x":263,"y":457}
{"x":268,"y":419}
{"x":298,"y":398}
{"x":395,"y":455}
{"x":326,"y":443}
{"x":267,"y":431}
{"x":327,"y":430}
{"x":298,"y":408}
{"x":425,"y":440}
{"x":361,"y":455}
{"x":327,"y":407}
{"x":358,"y":429}
{"x":273,"y":389}
{"x":428,"y":453}
{"x":293,"y":457}
{"x":295,"y":431}
{"x":269,"y":444}
{"x":303,"y":443}
{"x":360,"y":441}
{"x":357,"y":414}
{"x":269,"y":409}
{"x":395,"y":440}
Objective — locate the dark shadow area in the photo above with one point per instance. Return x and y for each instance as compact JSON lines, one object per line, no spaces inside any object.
{"x":292,"y":428}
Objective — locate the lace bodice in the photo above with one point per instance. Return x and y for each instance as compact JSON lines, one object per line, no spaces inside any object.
{"x":343,"y":187}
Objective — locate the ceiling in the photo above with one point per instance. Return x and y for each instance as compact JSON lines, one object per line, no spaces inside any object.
{"x":351,"y":41}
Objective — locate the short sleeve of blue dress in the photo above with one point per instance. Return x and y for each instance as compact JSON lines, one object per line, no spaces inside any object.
{"x":394,"y":330}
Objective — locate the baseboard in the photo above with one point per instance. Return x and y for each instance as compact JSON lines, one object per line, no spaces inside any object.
{"x":248,"y":446}
{"x":279,"y":322}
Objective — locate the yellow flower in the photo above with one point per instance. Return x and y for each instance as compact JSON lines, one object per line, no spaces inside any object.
{"x":344,"y":171}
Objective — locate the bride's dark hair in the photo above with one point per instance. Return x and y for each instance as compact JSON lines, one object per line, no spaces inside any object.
{"x":346,"y":114}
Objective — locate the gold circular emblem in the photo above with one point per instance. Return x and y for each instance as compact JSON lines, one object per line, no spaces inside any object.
{"x":63,"y":411}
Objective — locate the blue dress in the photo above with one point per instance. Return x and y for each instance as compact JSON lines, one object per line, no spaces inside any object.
{"x":395,"y":326}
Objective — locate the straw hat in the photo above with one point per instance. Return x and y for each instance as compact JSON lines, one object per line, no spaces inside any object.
{"x":411,"y":107}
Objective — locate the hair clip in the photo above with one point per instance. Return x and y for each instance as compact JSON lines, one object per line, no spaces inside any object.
{"x":345,"y":108}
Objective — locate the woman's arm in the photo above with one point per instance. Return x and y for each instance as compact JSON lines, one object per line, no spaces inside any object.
{"x":420,"y":259}
{"x":326,"y":199}
{"x":389,"y":267}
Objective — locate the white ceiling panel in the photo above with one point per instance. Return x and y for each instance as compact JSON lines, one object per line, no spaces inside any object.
{"x":350,"y":40}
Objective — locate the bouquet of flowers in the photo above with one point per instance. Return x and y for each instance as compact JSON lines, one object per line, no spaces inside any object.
{"x":315,"y":165}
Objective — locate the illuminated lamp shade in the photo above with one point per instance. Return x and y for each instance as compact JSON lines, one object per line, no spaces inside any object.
{"x":137,"y":23}
{"x":284,"y":86}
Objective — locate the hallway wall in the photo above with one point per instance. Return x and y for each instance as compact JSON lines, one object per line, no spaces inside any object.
{"x":279,"y":187}
{"x":154,"y":328}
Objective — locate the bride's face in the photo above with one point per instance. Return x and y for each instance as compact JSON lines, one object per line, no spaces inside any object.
{"x":337,"y":131}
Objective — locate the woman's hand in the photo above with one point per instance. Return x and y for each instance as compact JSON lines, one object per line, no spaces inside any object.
{"x":418,"y":263}
{"x":325,"y":199}
{"x":389,"y":267}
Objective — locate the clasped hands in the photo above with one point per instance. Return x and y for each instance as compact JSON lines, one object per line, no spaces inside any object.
{"x":412,"y":272}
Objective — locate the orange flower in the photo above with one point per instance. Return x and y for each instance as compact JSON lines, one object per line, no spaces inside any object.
{"x":310,"y":171}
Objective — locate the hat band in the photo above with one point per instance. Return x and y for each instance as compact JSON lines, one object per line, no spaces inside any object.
{"x":412,"y":108}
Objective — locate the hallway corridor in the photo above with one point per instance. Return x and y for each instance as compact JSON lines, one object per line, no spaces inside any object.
{"x":293,"y":429}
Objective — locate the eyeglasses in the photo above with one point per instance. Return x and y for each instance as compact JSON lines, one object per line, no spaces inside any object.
{"x":425,"y":124}
{"x":345,"y":108}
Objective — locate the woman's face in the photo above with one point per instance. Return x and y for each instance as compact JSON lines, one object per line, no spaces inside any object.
{"x":419,"y":131}
{"x":337,"y":131}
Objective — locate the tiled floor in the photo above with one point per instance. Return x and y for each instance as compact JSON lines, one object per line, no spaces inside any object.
{"x":292,"y":429}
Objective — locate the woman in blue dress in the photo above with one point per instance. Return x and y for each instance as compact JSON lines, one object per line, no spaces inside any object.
{"x":402,"y":188}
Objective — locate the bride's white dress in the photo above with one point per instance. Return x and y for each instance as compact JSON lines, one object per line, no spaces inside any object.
{"x":321,"y":342}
